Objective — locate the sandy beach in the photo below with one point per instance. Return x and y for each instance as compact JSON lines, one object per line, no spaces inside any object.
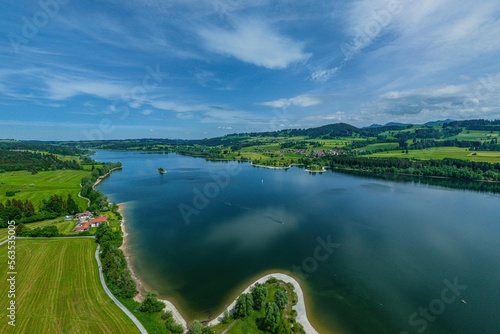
{"x":300,"y":307}
{"x":138,"y":282}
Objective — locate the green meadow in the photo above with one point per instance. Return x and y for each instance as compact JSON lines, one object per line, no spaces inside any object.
{"x":64,"y":227}
{"x":439,"y":153}
{"x":58,"y":290}
{"x":40,"y":186}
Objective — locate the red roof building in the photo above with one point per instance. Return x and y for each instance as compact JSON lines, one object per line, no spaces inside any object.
{"x":98,"y":221}
{"x":82,"y":227}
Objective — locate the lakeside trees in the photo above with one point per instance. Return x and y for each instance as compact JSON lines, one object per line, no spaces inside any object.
{"x":151,"y":304}
{"x":114,"y":265}
{"x":281,"y":298}
{"x":259,"y":293}
{"x":275,"y":315}
{"x":272,"y":318}
{"x":244,"y":305}
{"x":452,"y":168}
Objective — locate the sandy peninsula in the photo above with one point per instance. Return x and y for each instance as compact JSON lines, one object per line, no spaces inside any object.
{"x":300,"y":307}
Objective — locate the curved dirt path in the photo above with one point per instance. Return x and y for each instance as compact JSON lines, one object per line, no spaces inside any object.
{"x":113,"y":298}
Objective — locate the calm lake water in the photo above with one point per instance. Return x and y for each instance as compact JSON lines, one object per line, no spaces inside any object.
{"x":373,"y":256}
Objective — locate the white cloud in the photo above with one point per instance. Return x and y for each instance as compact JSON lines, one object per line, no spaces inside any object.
{"x":254,"y":42}
{"x":177,"y":107}
{"x":64,"y":88}
{"x":475,"y":98}
{"x":147,"y":112}
{"x":323,"y":75}
{"x":302,"y":101}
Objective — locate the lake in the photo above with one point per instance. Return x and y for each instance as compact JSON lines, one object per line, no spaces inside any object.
{"x":372,"y":255}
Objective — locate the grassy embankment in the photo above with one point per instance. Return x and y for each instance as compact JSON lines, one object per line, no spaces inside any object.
{"x":58,"y":290}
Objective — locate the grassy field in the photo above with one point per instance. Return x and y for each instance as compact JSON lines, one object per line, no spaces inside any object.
{"x":58,"y":290}
{"x":476,"y":135}
{"x":64,"y":227}
{"x":43,"y":185}
{"x":380,"y":146}
{"x":444,"y":152}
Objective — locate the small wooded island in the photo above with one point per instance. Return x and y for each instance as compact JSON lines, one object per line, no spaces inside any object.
{"x":161,"y":170}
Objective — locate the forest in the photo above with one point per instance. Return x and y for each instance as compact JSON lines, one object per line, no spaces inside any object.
{"x":33,"y":161}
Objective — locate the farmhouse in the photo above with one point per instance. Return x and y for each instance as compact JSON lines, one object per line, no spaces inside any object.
{"x":83,"y":226}
{"x":83,"y":216}
{"x":98,"y":221}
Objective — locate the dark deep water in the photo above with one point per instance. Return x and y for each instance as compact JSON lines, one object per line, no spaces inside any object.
{"x":398,"y":241}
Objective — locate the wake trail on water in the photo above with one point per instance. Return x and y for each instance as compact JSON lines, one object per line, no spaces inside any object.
{"x":246,"y":208}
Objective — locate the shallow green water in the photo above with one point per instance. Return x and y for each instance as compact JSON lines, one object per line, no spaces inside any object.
{"x":392,"y":244}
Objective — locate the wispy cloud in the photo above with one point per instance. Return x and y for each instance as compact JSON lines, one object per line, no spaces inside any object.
{"x":254,"y":41}
{"x":62,"y":88}
{"x":302,"y":101}
{"x":147,"y":112}
{"x":234,"y":63}
{"x":471,"y":99}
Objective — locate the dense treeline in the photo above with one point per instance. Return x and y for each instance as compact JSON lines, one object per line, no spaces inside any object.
{"x":276,"y":318}
{"x":98,"y":201}
{"x":119,"y":279}
{"x":24,"y":212}
{"x":114,"y":265}
{"x":491,"y":145}
{"x":453,"y":168}
{"x":33,"y":161}
{"x":476,"y":124}
{"x":299,"y":145}
{"x":128,"y":144}
{"x":49,"y":147}
{"x":488,"y":187}
{"x":44,"y":232}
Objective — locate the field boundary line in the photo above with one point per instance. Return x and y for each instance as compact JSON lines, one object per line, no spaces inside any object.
{"x":113,"y":298}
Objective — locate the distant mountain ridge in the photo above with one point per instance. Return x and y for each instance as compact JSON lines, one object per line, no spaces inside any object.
{"x":432,"y":123}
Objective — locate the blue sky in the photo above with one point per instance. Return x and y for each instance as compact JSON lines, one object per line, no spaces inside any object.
{"x":108,"y":69}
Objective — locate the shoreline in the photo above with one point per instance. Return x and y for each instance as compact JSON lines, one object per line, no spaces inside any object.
{"x":270,"y":167}
{"x":300,"y":307}
{"x":139,"y":284}
{"x":322,"y":170}
{"x":101,"y":178}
